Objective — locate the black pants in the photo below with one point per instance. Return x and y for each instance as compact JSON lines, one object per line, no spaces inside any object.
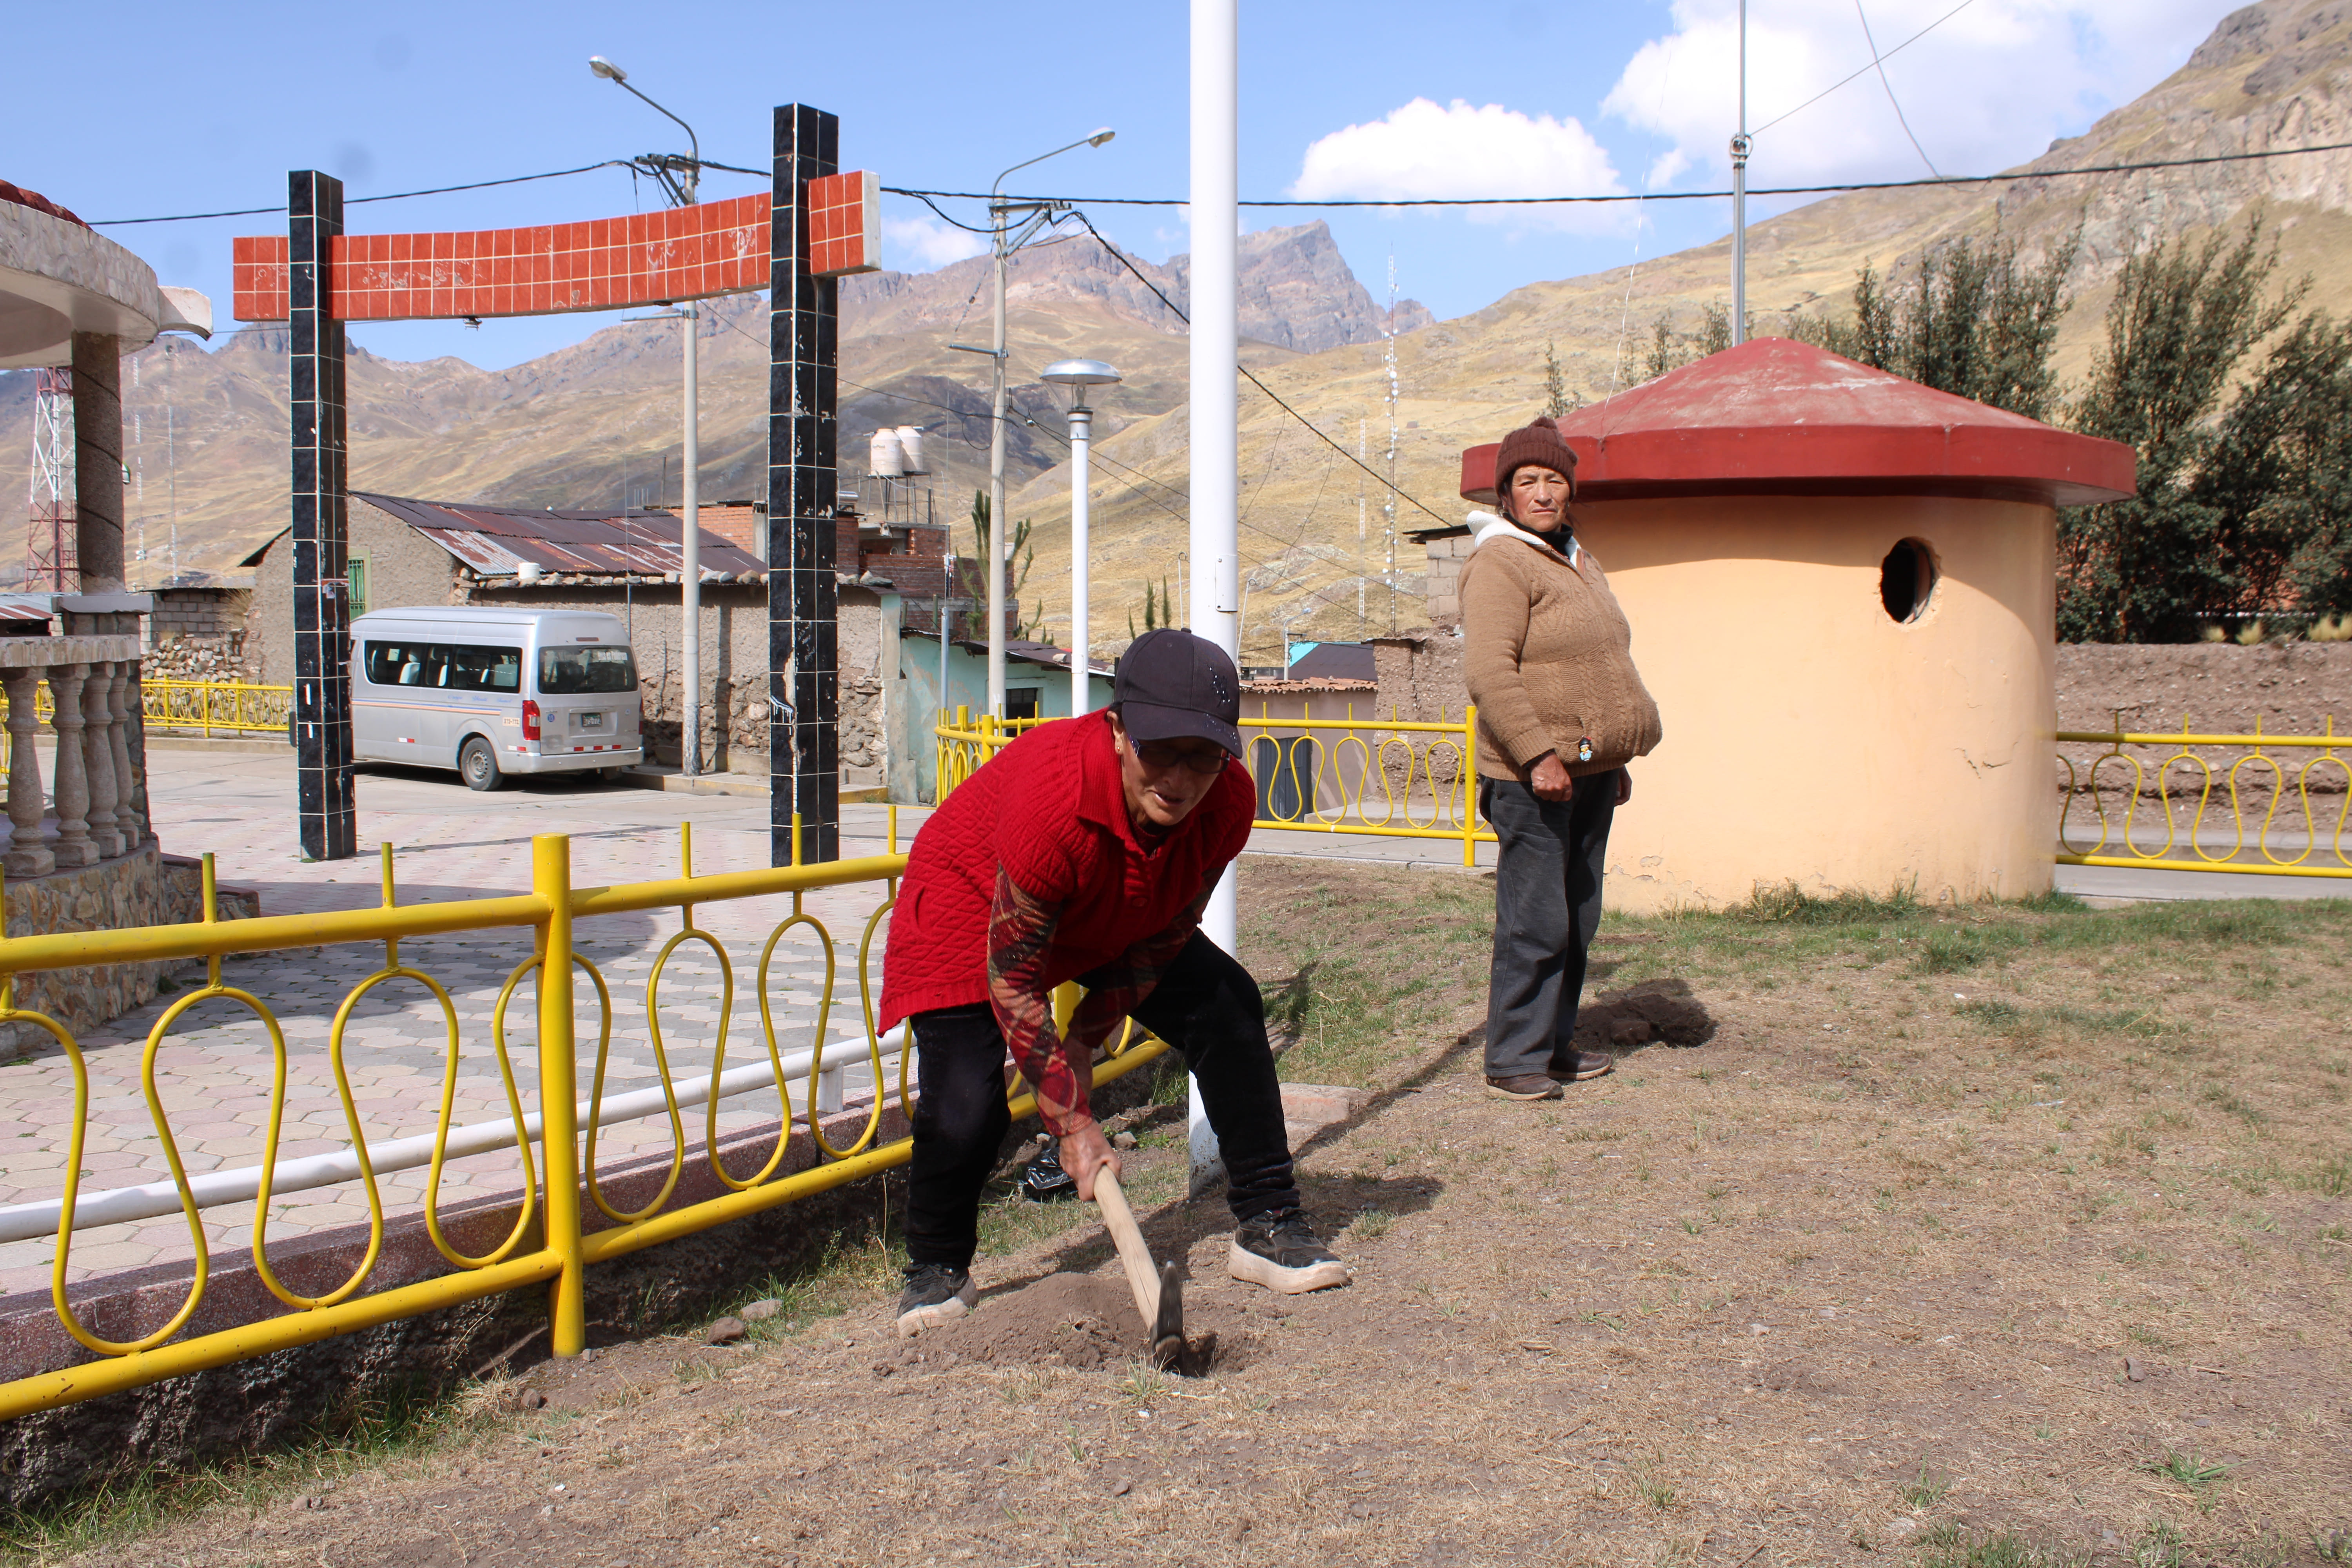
{"x":1546,"y":906}
{"x":1206,"y":1006}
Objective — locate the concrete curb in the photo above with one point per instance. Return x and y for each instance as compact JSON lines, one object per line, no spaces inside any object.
{"x":159,"y":740}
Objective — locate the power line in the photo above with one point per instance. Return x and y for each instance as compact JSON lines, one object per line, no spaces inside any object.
{"x":392,"y":197}
{"x":1900,"y":118}
{"x":1672,"y":195}
{"x":1247,"y":372}
{"x":925,"y":196}
{"x":1876,"y":60}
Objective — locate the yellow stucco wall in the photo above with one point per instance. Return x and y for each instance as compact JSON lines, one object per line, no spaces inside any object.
{"x":1810,"y":737}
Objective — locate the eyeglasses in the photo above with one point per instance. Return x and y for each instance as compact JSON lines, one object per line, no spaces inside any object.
{"x":1160,"y":757}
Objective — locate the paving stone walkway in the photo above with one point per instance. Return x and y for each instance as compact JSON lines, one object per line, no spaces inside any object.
{"x":217,"y":1069}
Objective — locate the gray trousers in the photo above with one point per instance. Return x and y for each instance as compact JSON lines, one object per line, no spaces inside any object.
{"x":1546,"y":906}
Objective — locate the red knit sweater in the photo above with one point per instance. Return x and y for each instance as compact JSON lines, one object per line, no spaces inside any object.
{"x":1049,"y":813}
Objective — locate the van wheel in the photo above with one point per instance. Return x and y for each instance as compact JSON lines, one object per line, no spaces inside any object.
{"x":478,"y":765}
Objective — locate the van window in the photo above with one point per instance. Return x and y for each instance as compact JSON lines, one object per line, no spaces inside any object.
{"x":443,"y":667}
{"x":473,"y":668}
{"x":397,"y":664}
{"x":574,"y":671}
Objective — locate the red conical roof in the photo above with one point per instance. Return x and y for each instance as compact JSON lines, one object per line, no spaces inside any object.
{"x":1778,"y":416}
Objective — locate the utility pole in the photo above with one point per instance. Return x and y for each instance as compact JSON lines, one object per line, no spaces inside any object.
{"x":689,"y":548}
{"x":1215,"y":407}
{"x":682,"y":178}
{"x":1739,"y":149}
{"x":1004,"y":240}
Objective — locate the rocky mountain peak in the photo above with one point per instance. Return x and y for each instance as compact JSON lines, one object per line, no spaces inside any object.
{"x":1297,"y":290}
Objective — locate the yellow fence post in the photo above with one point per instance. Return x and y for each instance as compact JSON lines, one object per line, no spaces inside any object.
{"x":1469,"y":785}
{"x":551,"y":880}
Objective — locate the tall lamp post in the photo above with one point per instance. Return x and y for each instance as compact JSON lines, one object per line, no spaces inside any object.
{"x":1078,"y":374}
{"x":680,"y":177}
{"x":1005,"y":241}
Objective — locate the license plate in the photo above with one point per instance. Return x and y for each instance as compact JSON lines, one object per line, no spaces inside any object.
{"x":591,"y":721}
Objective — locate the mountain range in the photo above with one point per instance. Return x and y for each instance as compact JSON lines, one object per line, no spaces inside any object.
{"x":597,"y":422}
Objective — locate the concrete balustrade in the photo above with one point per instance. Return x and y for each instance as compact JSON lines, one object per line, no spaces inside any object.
{"x":89,"y":807}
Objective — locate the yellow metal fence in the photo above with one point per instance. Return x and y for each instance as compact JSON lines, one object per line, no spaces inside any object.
{"x":1389,"y":778}
{"x":211,"y":706}
{"x":557,"y":1174}
{"x":216,"y":707}
{"x":2273,"y":805}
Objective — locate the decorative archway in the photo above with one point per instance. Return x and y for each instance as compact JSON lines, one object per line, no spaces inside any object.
{"x":815,"y":225}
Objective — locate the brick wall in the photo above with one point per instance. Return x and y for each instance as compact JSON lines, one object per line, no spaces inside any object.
{"x":1442,"y":583}
{"x":1419,"y":675}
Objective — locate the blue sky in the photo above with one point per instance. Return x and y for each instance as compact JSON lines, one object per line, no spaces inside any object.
{"x":1371,"y":99}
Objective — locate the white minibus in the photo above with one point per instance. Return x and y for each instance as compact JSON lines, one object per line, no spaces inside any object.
{"x":492,"y":691}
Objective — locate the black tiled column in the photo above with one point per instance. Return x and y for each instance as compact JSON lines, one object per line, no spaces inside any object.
{"x":804,"y":683}
{"x":323,"y":682}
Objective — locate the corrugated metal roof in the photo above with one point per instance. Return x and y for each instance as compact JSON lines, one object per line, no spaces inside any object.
{"x":494,"y":540}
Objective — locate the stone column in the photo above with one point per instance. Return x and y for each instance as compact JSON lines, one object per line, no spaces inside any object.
{"x":98,"y":754}
{"x":98,"y":461}
{"x":74,"y":848}
{"x":321,"y":558}
{"x":28,"y":855}
{"x":130,"y":787}
{"x":804,"y":382}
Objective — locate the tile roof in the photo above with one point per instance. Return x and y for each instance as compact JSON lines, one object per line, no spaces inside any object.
{"x":496,"y":539}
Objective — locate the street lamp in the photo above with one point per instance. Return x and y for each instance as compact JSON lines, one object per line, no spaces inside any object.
{"x":681,"y":177}
{"x":1078,"y":374}
{"x":1003,"y":243}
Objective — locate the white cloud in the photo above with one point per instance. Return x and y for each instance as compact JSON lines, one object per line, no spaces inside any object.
{"x":922,"y":243}
{"x":1988,"y":89}
{"x":1423,"y":150}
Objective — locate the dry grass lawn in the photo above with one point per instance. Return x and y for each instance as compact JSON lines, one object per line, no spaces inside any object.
{"x":1986,"y":1236}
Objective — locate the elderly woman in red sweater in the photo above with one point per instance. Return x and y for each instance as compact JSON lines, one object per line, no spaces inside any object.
{"x":1085,"y":850}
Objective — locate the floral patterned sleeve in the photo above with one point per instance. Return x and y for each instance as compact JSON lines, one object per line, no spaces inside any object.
{"x":1133,"y":977}
{"x":1020,"y":934}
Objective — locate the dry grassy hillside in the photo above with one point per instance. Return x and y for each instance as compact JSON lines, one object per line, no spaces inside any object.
{"x":2271,"y":76}
{"x":586,"y":425}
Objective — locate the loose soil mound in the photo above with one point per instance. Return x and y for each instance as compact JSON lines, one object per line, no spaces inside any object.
{"x":1077,"y":1320}
{"x":1064,"y":1320}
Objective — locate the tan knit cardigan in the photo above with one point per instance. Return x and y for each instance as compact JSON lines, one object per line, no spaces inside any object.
{"x":1548,"y":658}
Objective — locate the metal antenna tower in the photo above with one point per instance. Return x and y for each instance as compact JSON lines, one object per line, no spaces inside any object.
{"x":50,"y":562}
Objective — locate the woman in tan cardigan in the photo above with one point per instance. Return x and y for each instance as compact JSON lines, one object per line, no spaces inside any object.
{"x":1561,"y":711}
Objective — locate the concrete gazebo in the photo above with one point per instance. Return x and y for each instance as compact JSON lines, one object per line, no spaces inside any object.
{"x":1842,"y":586}
{"x":81,"y":853}
{"x":69,"y":296}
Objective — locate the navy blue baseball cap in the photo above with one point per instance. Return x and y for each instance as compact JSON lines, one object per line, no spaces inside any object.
{"x":1172,"y":685}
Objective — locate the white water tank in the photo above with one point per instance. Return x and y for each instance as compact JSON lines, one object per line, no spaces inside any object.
{"x":910,"y":442}
{"x":887,"y":459}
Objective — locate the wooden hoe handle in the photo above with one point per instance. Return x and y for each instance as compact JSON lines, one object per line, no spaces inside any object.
{"x":1133,"y":1255}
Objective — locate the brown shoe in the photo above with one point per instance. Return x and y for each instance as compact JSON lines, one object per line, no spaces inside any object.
{"x":1526,"y":1086}
{"x":1588,"y":1064}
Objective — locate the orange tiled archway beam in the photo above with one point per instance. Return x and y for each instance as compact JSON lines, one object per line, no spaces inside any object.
{"x":602,"y":263}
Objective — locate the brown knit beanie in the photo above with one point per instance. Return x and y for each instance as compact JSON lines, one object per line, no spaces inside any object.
{"x":1539,"y":443}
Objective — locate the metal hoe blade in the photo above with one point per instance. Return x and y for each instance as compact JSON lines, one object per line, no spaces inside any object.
{"x":1168,"y":1327}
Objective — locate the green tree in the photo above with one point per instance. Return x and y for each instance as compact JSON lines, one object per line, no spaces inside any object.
{"x":2278,"y":479}
{"x":1664,"y":354}
{"x":1714,"y":328}
{"x":1971,"y":319}
{"x":1558,"y":402}
{"x":2182,"y":319}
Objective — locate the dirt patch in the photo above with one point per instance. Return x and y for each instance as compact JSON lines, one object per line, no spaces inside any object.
{"x":1978,"y":1236}
{"x":1079,"y":1321}
{"x":2223,"y":688}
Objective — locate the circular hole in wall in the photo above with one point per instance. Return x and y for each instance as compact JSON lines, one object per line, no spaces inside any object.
{"x":1906,"y":580}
